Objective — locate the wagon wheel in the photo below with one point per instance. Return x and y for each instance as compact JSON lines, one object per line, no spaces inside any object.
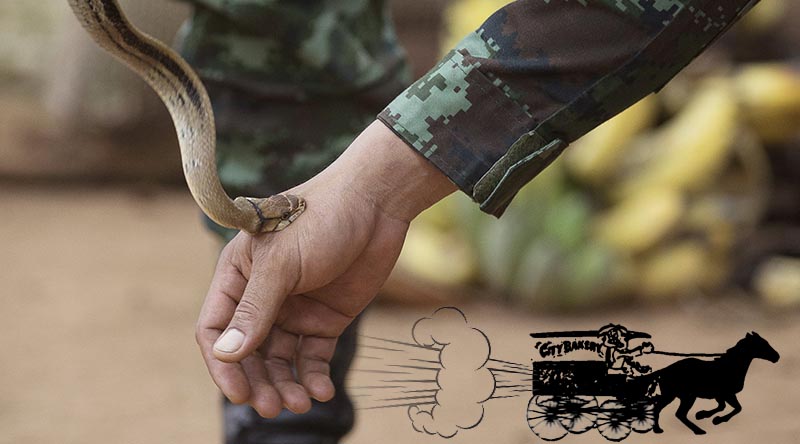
{"x":643,"y":417}
{"x":579,"y":414}
{"x":544,"y":417}
{"x":614,"y":421}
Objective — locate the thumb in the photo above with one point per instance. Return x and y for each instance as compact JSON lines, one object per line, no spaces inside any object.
{"x":254,"y":315}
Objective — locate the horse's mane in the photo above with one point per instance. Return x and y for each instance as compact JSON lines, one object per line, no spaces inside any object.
{"x":735,"y":347}
{"x":733,"y":351}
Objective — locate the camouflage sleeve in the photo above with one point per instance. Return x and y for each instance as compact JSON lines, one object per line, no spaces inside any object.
{"x":539,"y":74}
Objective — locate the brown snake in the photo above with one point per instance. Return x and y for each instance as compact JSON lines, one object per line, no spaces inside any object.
{"x":187,"y":101}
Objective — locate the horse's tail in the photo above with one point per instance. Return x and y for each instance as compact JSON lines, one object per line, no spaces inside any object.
{"x":651,"y":383}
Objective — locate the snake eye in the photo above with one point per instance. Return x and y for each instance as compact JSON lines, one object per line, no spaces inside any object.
{"x":286,"y":215}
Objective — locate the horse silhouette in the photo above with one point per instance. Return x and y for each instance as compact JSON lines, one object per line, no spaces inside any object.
{"x":720,"y":379}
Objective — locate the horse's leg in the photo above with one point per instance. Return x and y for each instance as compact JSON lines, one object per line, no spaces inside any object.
{"x":683,"y":410}
{"x":736,"y":409}
{"x":658,"y":405}
{"x":703,"y":414}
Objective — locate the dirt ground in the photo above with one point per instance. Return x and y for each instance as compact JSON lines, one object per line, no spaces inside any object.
{"x":100,"y":289}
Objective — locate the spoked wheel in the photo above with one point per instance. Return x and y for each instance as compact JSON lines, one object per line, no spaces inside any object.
{"x":544,"y":417}
{"x":643,"y":417}
{"x":614,"y":421}
{"x":579,"y":414}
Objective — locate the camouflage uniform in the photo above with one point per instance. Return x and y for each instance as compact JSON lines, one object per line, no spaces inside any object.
{"x":293,"y":82}
{"x":538,"y":75}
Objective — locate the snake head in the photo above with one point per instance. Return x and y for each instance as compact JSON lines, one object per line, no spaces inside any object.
{"x":273,"y":213}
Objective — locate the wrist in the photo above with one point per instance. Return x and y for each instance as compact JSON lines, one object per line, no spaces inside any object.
{"x":393,"y":176}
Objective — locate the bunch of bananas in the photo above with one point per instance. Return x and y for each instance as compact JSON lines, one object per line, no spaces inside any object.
{"x":649,"y":205}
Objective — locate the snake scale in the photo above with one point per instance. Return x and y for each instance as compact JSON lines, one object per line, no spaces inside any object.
{"x":190,"y":107}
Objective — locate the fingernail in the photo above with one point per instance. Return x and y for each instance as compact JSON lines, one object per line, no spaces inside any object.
{"x":230,"y":341}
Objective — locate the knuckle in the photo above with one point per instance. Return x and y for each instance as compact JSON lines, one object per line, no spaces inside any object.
{"x":227,"y":252}
{"x":247,"y":312}
{"x":278,"y":362}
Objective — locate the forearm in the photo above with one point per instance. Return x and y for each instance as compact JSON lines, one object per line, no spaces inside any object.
{"x":634,"y":352}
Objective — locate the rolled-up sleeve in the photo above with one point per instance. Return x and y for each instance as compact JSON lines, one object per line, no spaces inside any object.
{"x":539,"y":74}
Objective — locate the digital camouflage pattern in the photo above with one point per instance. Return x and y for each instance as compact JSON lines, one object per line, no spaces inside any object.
{"x":292,"y":83}
{"x":538,"y":75}
{"x":296,"y":49}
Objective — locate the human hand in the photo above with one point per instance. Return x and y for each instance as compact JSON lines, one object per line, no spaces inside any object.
{"x":647,"y":347}
{"x":282,"y":299}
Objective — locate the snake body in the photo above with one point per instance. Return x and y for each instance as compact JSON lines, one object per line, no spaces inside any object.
{"x":190,"y":108}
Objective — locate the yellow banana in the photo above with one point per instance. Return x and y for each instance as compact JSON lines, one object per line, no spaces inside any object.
{"x":640,"y":221}
{"x":693,"y":146}
{"x":436,"y":257}
{"x":464,"y":16}
{"x":764,"y":16}
{"x":770,"y":98}
{"x":596,"y":156}
{"x":777,"y":281}
{"x":441,"y":216}
{"x":675,"y":271}
{"x":710,"y":216}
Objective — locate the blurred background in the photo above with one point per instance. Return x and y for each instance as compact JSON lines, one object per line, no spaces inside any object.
{"x":679,"y":217}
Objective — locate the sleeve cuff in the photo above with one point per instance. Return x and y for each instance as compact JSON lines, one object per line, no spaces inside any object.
{"x":457,"y":117}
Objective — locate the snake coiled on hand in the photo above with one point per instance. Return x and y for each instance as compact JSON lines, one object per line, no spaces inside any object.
{"x":190,"y":107}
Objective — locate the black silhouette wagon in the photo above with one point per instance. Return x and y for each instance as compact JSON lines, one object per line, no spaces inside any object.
{"x":575,"y":396}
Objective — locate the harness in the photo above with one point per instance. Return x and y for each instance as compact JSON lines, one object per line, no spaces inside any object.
{"x":688,"y":355}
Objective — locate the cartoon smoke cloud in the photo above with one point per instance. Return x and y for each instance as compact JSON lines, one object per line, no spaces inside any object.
{"x":464,"y":381}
